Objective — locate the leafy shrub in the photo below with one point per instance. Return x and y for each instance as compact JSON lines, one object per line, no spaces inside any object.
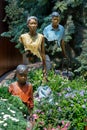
{"x":11,"y":117}
{"x":69,"y":102}
{"x":14,"y":100}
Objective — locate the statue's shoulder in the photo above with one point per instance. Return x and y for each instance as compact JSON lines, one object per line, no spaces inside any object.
{"x":61,"y":27}
{"x":40,"y":35}
{"x":49,"y":26}
{"x":24,"y":35}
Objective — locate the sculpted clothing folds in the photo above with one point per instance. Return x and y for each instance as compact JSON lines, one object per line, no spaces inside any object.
{"x":52,"y":34}
{"x":32,"y":44}
{"x":25,"y":93}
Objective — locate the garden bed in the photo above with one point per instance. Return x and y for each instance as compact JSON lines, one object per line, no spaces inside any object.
{"x":69,"y":104}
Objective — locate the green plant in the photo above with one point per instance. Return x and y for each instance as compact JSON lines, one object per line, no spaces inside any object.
{"x":69,"y":102}
{"x":14,"y":100}
{"x":10,"y":117}
{"x":73,"y":18}
{"x":68,"y":105}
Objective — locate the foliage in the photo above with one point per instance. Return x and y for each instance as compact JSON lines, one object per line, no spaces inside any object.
{"x":68,"y":104}
{"x":67,"y":109}
{"x":35,"y":77}
{"x":83,"y":68}
{"x":10,"y":117}
{"x":13,"y":100}
{"x":56,"y":82}
{"x":17,"y":12}
{"x":73,"y":18}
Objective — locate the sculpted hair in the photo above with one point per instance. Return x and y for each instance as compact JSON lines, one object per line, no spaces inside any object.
{"x":55,"y":14}
{"x":31,"y":17}
{"x":21,"y":69}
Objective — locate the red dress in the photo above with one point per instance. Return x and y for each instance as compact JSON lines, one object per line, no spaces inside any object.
{"x":25,"y":93}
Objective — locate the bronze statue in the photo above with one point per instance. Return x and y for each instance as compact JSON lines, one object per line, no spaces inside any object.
{"x":34,"y":42}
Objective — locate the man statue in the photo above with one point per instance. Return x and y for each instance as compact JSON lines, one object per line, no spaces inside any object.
{"x":54,"y":34}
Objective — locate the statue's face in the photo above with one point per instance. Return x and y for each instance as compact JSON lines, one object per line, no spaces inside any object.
{"x":32,"y":25}
{"x":22,"y":77}
{"x":55,"y":21}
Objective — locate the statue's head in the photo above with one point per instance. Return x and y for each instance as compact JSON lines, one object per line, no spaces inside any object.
{"x":21,"y":74}
{"x":21,"y":69}
{"x":32,"y":23}
{"x":55,"y":14}
{"x":55,"y":19}
{"x":32,"y":17}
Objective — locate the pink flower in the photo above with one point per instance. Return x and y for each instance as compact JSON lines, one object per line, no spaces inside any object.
{"x":28,"y":129}
{"x":35,"y":116}
{"x":63,"y":122}
{"x":67,"y":124}
{"x":64,"y":126}
{"x":59,"y":127}
{"x":42,"y":113}
{"x":41,"y":122}
{"x":45,"y":128}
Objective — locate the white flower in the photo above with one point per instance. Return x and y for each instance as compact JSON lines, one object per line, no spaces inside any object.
{"x":5,"y":124}
{"x":1,"y":122}
{"x":21,"y":107}
{"x":6,"y":116}
{"x":14,"y":119}
{"x":8,"y":108}
{"x":56,"y":103}
{"x":12,"y":111}
{"x":83,"y":106}
{"x":3,"y":99}
{"x":2,"y":113}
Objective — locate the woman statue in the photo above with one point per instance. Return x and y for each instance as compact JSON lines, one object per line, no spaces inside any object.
{"x":34,"y":42}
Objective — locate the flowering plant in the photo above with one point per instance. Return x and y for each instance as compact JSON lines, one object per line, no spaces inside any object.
{"x":10,"y":117}
{"x":69,"y":104}
{"x":66,"y":111}
{"x":12,"y":111}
